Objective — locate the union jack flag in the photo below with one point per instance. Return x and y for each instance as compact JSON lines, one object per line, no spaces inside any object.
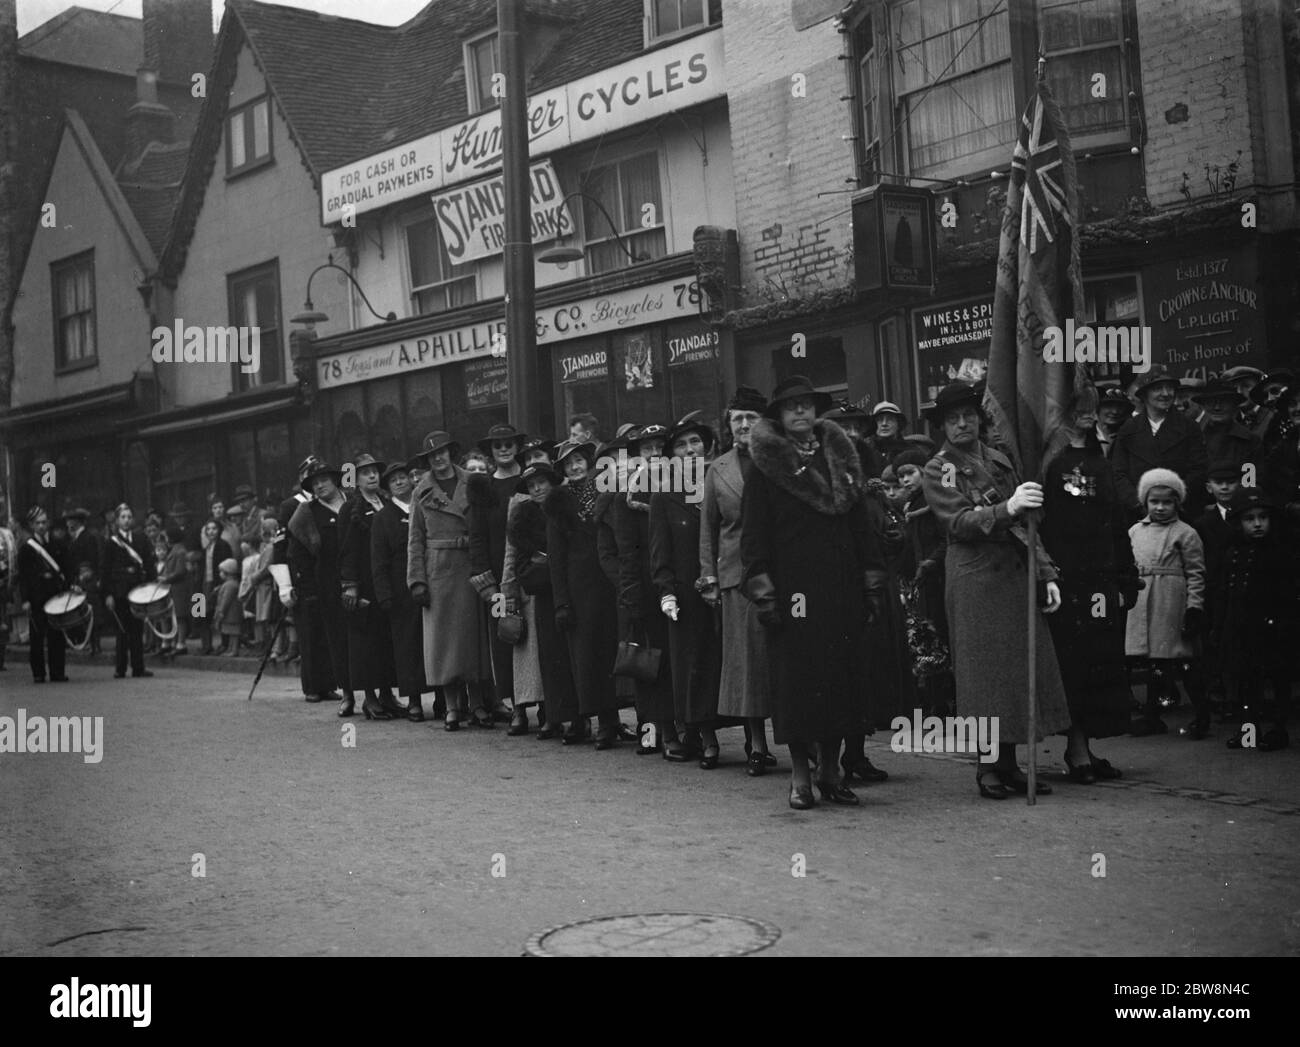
{"x":1039,"y":285}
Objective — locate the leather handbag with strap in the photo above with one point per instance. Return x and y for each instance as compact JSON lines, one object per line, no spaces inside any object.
{"x":512,"y":629}
{"x":639,"y":661}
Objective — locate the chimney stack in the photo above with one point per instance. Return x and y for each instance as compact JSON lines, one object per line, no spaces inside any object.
{"x":148,"y":120}
{"x":177,"y":39}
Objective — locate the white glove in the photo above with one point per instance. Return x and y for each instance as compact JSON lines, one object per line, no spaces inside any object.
{"x":668,"y":604}
{"x":1026,"y":496}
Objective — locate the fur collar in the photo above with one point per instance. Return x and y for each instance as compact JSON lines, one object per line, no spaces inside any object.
{"x":526,"y":529}
{"x":775,"y":456}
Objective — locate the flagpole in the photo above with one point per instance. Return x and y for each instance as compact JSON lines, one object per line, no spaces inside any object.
{"x":1031,"y":526}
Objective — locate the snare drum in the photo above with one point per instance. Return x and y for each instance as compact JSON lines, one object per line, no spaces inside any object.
{"x":152,"y":602}
{"x":68,"y":611}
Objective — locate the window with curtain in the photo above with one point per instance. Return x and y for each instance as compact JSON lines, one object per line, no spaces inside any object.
{"x":953,"y":78}
{"x":248,"y":136}
{"x":436,"y":284}
{"x":74,"y":311}
{"x":668,"y":17}
{"x":1083,"y":38}
{"x":255,"y":303}
{"x":482,"y":62}
{"x":866,"y":102}
{"x":626,"y":193}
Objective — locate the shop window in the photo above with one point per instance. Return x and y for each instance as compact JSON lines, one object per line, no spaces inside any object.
{"x":248,"y":137}
{"x":423,"y":391}
{"x":623,"y":212}
{"x":482,"y":63}
{"x":582,"y":382}
{"x":436,"y":284}
{"x":254,"y":296}
{"x":692,"y":368}
{"x":74,"y":311}
{"x":953,"y":78}
{"x":1083,"y":39}
{"x":666,"y":18}
{"x":824,"y":364}
{"x":350,"y":437}
{"x":1112,"y":301}
{"x":640,"y":391}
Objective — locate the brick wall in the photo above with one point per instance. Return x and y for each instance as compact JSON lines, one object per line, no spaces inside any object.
{"x":1194,"y":55}
{"x":787,"y":149}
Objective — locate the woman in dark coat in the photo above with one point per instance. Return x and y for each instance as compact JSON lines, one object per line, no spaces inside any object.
{"x":370,"y":643}
{"x":127,"y":562}
{"x":639,"y":615}
{"x":215,"y":550}
{"x":813,"y":568}
{"x":693,"y":643}
{"x":389,"y":536}
{"x":526,"y":585}
{"x":313,"y":554}
{"x":585,"y":609}
{"x":979,"y":501}
{"x":1085,"y":532}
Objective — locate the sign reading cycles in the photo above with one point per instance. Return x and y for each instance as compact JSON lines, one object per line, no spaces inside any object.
{"x":653,"y":85}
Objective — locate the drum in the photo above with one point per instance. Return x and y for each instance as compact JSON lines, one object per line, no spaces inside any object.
{"x":69,"y":611}
{"x":152,"y":602}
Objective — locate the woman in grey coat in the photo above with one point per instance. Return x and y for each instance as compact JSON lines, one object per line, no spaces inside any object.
{"x":979,"y":502}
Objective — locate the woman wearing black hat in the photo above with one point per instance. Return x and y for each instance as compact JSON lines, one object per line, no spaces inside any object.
{"x":371,"y":661}
{"x":1085,"y":531}
{"x":693,"y":643}
{"x":1158,"y":437}
{"x":541,"y":670}
{"x":585,"y":606}
{"x":813,"y":568}
{"x":979,"y":501}
{"x":638,"y":600}
{"x":489,"y":505}
{"x":312,"y":551}
{"x":389,"y":538}
{"x":438,"y":571}
{"x":744,"y":690}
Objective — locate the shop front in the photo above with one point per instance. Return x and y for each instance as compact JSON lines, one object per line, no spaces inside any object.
{"x":619,"y":349}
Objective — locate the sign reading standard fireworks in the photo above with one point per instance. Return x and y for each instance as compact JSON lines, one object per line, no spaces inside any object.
{"x":472,"y":217}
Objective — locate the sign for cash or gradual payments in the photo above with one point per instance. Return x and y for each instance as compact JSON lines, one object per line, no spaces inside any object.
{"x":618,"y":311}
{"x":652,"y":85}
{"x":472,"y":217}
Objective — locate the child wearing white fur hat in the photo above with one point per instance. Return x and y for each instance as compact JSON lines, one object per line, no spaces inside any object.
{"x":1164,"y":624}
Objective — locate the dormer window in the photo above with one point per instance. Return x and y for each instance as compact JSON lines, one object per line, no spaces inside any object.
{"x":667,"y":18}
{"x":248,"y":136}
{"x":482,"y":63}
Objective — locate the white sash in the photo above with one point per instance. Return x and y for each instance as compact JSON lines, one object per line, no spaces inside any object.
{"x":45,"y":555}
{"x":134,"y":555}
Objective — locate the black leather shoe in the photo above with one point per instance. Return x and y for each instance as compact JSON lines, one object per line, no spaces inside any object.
{"x":451,"y":721}
{"x":710,"y":758}
{"x":374,"y":711}
{"x":391,"y":705}
{"x":675,"y":752}
{"x":1104,"y":771}
{"x":579,"y":731}
{"x":768,"y":759}
{"x":864,"y":770}
{"x":320,"y":697}
{"x":1083,"y":774}
{"x":754,"y":765}
{"x":518,"y":724}
{"x":347,"y":707}
{"x":547,"y":731}
{"x":838,"y":793}
{"x":801,"y":798}
{"x":480,"y":718}
{"x":415,"y":711}
{"x":991,"y":787}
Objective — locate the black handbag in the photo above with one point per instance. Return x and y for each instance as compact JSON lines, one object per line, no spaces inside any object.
{"x":639,"y":661}
{"x":512,"y":629}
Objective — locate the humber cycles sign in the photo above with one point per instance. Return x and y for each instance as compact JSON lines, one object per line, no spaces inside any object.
{"x":612,"y":312}
{"x":652,"y":85}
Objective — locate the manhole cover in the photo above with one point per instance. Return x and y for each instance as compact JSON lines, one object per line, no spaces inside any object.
{"x":656,"y":934}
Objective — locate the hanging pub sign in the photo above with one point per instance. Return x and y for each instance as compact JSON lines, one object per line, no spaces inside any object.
{"x":472,"y":218}
{"x":894,"y":239}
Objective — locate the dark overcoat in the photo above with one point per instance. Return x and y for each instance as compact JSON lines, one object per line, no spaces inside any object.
{"x":807,"y":542}
{"x":579,"y":584}
{"x":1084,"y":531}
{"x":693,"y":642}
{"x":313,"y":551}
{"x":988,"y":605}
{"x":489,"y":508}
{"x":389,"y":538}
{"x":1255,"y":606}
{"x":638,"y":603}
{"x":607,"y":551}
{"x":1179,"y":445}
{"x":371,"y":662}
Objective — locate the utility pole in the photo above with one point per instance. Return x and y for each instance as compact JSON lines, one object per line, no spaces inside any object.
{"x":521,"y":333}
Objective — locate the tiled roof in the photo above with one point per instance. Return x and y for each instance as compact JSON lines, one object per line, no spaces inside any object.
{"x":151,"y":184}
{"x":152,"y":206}
{"x":92,"y":39}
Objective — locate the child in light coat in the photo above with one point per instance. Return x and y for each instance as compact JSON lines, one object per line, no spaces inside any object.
{"x":228,"y":618}
{"x":1164,"y":624}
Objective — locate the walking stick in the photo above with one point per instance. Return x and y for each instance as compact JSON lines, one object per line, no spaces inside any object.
{"x":1031,"y":520}
{"x":270,"y":646}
